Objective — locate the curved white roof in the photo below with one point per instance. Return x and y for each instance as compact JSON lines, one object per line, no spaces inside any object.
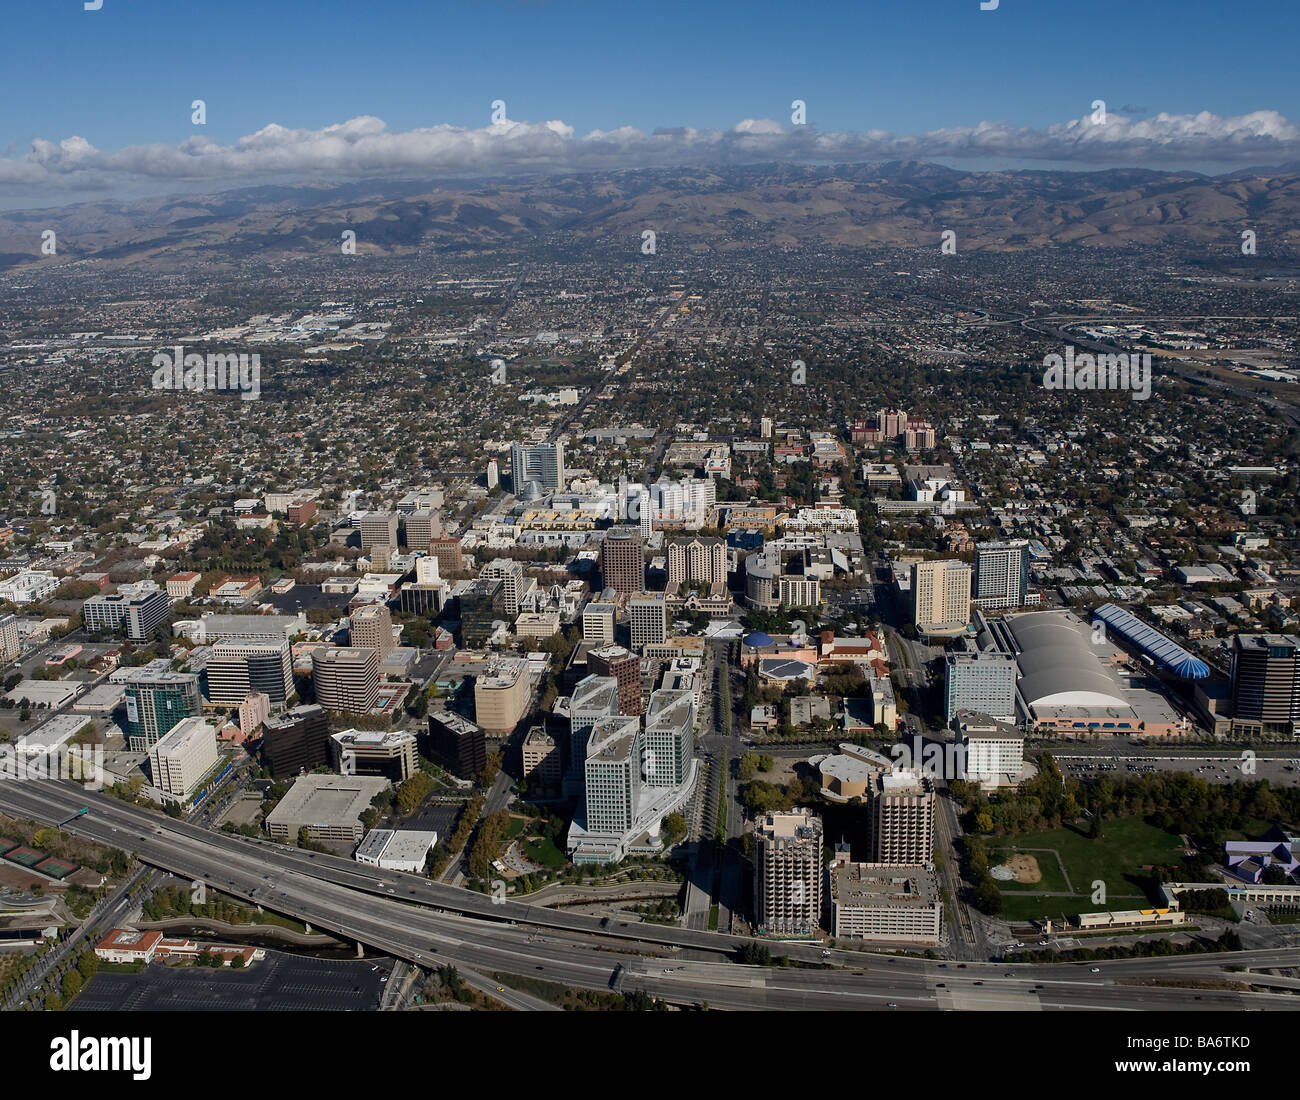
{"x":1058,"y":665}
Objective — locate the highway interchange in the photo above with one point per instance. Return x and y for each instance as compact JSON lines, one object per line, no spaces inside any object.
{"x":431,"y":924}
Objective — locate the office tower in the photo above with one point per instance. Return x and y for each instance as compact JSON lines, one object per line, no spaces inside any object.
{"x":301,"y":511}
{"x":993,"y":753}
{"x":669,"y":737}
{"x":501,"y":695}
{"x":448,"y":553}
{"x":788,"y":874}
{"x":140,"y":614}
{"x":542,"y":463}
{"x":511,"y":575}
{"x":236,"y":668}
{"x":902,"y":818}
{"x":622,"y":562}
{"x":346,"y":679}
{"x":371,"y":627}
{"x":482,"y":603}
{"x":422,"y":527}
{"x":1002,"y":574}
{"x":427,"y":570}
{"x":390,"y":753}
{"x":181,"y":759}
{"x":378,"y":529}
{"x":594,"y":698}
{"x":493,"y":474}
{"x":648,"y":616}
{"x":980,"y":681}
{"x":703,"y":560}
{"x":156,"y":699}
{"x":457,"y":744}
{"x":9,"y":644}
{"x":625,"y":667}
{"x":1266,"y":684}
{"x":941,"y":591}
{"x":644,"y":514}
{"x":598,"y":624}
{"x":541,"y":758}
{"x":612,"y":772}
{"x":296,"y":741}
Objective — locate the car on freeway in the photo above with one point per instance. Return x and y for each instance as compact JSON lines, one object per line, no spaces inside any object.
{"x":892,"y":1004}
{"x":1096,"y":970}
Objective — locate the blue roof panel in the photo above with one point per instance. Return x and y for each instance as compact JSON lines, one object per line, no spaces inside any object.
{"x":1165,"y":652}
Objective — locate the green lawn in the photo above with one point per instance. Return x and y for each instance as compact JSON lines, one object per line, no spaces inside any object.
{"x":515,"y":827}
{"x":1116,"y":858}
{"x":545,"y":852}
{"x":1047,"y":864}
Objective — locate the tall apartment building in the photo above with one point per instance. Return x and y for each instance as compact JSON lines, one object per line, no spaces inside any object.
{"x":371,"y":627}
{"x":941,"y":595}
{"x":612,"y":772}
{"x":648,"y":619}
{"x":236,"y":668}
{"x":703,"y":560}
{"x":1002,"y":574}
{"x":788,"y":874}
{"x":501,"y":695}
{"x":182,"y":759}
{"x":645,"y":514}
{"x":156,"y":699}
{"x":594,"y":698}
{"x":511,"y":575}
{"x":1266,"y":684}
{"x":622,"y":561}
{"x":390,"y":753}
{"x":669,"y":737}
{"x":598,"y":624}
{"x":543,"y":463}
{"x":10,"y":646}
{"x":543,"y":768}
{"x":902,"y":818}
{"x":685,"y":502}
{"x":798,"y":591}
{"x":140,"y":615}
{"x":422,"y":527}
{"x":625,"y":667}
{"x":296,"y":741}
{"x":378,"y":529}
{"x":457,"y":744}
{"x":983,"y":681}
{"x":346,"y":679}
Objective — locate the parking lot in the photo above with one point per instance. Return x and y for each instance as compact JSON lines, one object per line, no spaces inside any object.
{"x":1279,"y":771}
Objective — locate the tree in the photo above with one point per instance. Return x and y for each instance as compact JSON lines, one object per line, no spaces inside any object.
{"x":72,"y":983}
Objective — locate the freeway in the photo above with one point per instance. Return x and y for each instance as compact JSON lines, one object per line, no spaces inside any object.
{"x":392,"y":913}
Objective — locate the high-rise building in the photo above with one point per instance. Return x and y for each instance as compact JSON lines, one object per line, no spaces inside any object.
{"x":1002,"y":574}
{"x":541,"y":759}
{"x":511,"y":575}
{"x":983,"y":681}
{"x":542,"y":463}
{"x":941,"y":594}
{"x":156,"y":699}
{"x":765,"y":428}
{"x":493,"y":474}
{"x":371,"y":627}
{"x":788,"y":874}
{"x":644,"y":514}
{"x":448,"y":552}
{"x":993,"y":753}
{"x":236,"y":668}
{"x":598,"y":624}
{"x":457,"y":744}
{"x":183,"y":758}
{"x":482,"y":603}
{"x":702,"y":560}
{"x":346,"y":679}
{"x":378,"y":529}
{"x":390,"y":753}
{"x":422,"y":527}
{"x":140,"y":614}
{"x":683,"y":503}
{"x":501,"y":695}
{"x":669,"y":737}
{"x":612,"y":772}
{"x":1266,"y":684}
{"x":625,"y":667}
{"x":594,"y":698}
{"x":902,"y":818}
{"x":296,"y":741}
{"x":648,"y":618}
{"x":9,"y":644}
{"x":798,"y":591}
{"x":622,"y":561}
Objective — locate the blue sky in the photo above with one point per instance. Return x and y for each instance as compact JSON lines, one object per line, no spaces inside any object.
{"x":125,"y":75}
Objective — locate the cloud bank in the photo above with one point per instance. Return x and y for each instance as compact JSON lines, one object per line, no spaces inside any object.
{"x":364,"y":146}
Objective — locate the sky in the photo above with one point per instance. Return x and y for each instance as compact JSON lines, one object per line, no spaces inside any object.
{"x":100,"y":102}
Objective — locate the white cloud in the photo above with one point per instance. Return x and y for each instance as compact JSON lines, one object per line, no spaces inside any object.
{"x":364,"y":146}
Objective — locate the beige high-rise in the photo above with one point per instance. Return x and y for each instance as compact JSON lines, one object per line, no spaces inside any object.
{"x":941,"y":591}
{"x":788,"y":874}
{"x":902,"y":819}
